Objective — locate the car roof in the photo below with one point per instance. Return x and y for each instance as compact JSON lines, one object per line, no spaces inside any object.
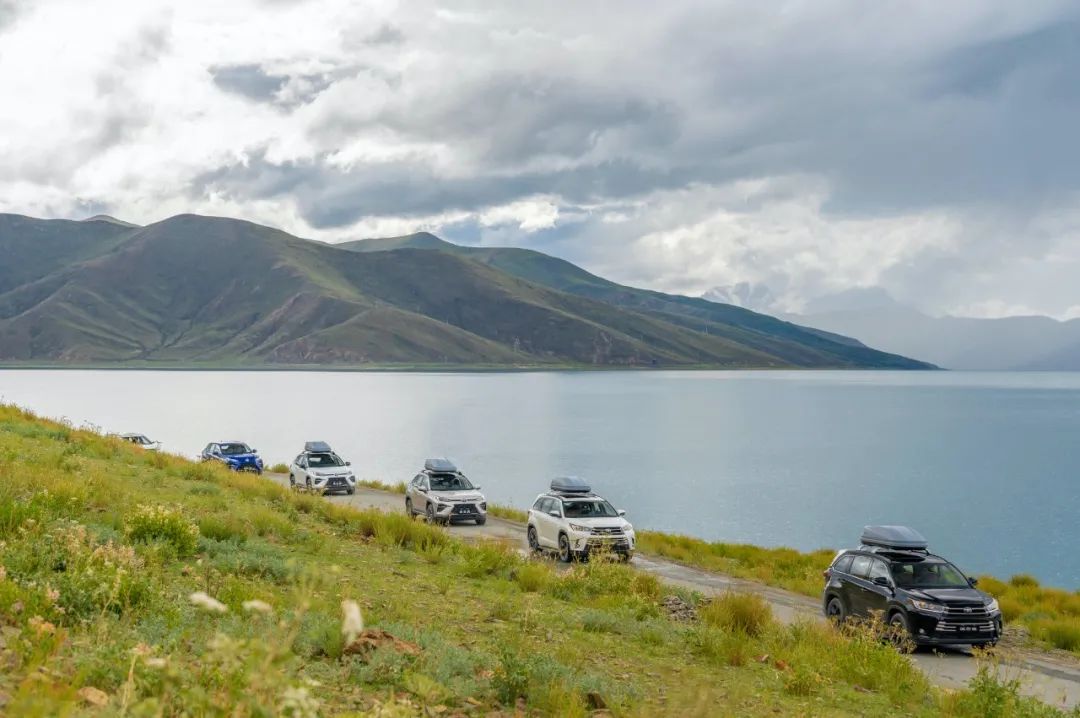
{"x":570,"y":497}
{"x":891,"y":555}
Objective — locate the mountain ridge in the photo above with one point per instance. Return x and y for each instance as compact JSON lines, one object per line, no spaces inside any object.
{"x":213,"y":290}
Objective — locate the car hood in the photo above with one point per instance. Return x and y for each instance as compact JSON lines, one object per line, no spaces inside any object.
{"x":335,"y":471}
{"x":462,"y":495}
{"x":240,"y":457}
{"x":949,"y":595}
{"x":615,"y":522}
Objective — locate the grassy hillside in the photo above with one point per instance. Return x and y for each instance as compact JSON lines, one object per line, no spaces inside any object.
{"x":782,"y":340}
{"x":142,"y":584}
{"x":221,"y":291}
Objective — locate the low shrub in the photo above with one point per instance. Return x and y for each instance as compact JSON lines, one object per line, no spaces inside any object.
{"x":223,"y":528}
{"x":533,"y":576}
{"x":746,"y":613}
{"x":162,"y":523}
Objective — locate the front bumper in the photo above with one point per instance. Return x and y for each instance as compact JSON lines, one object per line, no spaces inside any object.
{"x":937,"y":630}
{"x":590,"y":543}
{"x":336,"y":484}
{"x":464,"y":511}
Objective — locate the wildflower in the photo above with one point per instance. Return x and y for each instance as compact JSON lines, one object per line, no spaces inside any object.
{"x":157,"y":663}
{"x":51,"y":595}
{"x":41,"y":626}
{"x":298,"y":702}
{"x":257,"y":606}
{"x":352,"y":624}
{"x":204,"y":601}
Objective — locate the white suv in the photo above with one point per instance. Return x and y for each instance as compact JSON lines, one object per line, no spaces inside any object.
{"x":574,"y":521}
{"x":320,"y":469}
{"x":444,"y":495}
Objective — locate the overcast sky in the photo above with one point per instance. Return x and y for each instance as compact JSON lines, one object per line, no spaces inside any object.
{"x":929,"y":148}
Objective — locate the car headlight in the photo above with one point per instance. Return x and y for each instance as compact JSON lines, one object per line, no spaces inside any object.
{"x":320,"y":479}
{"x":483,"y":505}
{"x":993,"y":606}
{"x":351,"y":479}
{"x":928,"y":606}
{"x":443,"y":507}
{"x":581,"y":529}
{"x":629,"y":528}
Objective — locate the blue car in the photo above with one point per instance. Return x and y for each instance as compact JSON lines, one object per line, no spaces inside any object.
{"x":237,"y":455}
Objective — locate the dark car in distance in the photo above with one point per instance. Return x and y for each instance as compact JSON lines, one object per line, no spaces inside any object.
{"x":914,"y":591}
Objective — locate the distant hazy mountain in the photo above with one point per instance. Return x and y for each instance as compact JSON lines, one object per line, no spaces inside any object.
{"x":873,"y":317}
{"x":223,"y":291}
{"x":757,"y":297}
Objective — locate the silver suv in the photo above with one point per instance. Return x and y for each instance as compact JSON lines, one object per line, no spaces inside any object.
{"x":574,"y":521}
{"x":443,"y":495}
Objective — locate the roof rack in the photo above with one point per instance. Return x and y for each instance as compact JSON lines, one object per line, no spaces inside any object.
{"x":317,"y":447}
{"x":570,"y":485}
{"x":894,"y":538}
{"x":440,"y":466}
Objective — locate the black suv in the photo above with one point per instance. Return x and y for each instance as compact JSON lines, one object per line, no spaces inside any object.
{"x":916,"y":592}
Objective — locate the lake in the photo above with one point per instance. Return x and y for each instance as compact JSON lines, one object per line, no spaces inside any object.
{"x":985,"y":465}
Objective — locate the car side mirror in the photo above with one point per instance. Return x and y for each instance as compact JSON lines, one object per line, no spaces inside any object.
{"x":622,"y":512}
{"x":348,"y":463}
{"x":881,"y":581}
{"x":973,"y":582}
{"x":555,"y":514}
{"x":477,"y":488}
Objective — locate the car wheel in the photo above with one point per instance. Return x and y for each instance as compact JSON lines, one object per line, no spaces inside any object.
{"x":292,"y":481}
{"x":481,"y":520}
{"x":625,"y":557}
{"x":307,"y":483}
{"x":431,"y":518}
{"x":985,"y":645}
{"x":835,"y":611}
{"x":534,"y":543}
{"x":409,"y":509}
{"x":565,"y":554}
{"x":900,"y":632}
{"x":350,"y":492}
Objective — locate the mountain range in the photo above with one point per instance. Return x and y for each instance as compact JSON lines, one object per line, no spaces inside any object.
{"x":218,"y":291}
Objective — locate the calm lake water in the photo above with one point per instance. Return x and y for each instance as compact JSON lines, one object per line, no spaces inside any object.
{"x":985,"y":465}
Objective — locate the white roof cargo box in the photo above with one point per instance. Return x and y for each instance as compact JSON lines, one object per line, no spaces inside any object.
{"x":899,"y":538}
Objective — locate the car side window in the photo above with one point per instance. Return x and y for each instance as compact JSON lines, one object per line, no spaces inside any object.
{"x":843,"y":564}
{"x":556,"y":506}
{"x":878,"y":568}
{"x":860,"y":566}
{"x":539,"y":504}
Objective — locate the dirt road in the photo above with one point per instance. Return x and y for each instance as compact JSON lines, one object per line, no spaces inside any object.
{"x":1052,"y":678}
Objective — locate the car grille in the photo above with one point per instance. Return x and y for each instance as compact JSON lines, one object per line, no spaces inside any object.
{"x":962,"y":619}
{"x":463,"y":509}
{"x":607,"y":531}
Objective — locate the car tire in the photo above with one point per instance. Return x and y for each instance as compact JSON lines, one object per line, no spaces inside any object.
{"x":481,"y":520}
{"x":292,"y":481}
{"x":350,"y":492}
{"x":534,"y":543}
{"x":835,"y":610}
{"x":565,"y":554}
{"x":900,"y":632}
{"x":431,"y":517}
{"x":626,"y":557}
{"x":409,"y":509}
{"x":985,"y":645}
{"x":307,"y":483}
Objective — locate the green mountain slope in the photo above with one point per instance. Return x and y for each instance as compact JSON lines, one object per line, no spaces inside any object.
{"x":787,"y":342}
{"x":224,"y":291}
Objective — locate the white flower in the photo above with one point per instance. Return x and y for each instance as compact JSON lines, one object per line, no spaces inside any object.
{"x":352,"y":623}
{"x":257,"y":606}
{"x":299,"y":703}
{"x":204,"y":601}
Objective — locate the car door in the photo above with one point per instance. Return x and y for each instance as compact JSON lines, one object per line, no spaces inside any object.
{"x":550,"y":535}
{"x":414,"y":492}
{"x":855,"y":585}
{"x":876,"y":595}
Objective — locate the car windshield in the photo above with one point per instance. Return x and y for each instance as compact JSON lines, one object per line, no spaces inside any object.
{"x":235,"y":449}
{"x":137,"y":439}
{"x":321,"y":461}
{"x":928,"y":574}
{"x":449,"y":482}
{"x":588,"y":508}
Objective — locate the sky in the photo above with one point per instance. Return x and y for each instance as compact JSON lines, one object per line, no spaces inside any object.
{"x":924,"y":149}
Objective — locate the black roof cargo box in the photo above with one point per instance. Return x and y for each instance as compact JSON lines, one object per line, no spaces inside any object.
{"x":900,"y":538}
{"x":317,"y":447}
{"x":440,"y":466}
{"x":570,"y":485}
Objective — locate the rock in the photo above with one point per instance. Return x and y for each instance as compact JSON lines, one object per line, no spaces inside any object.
{"x":371,"y":639}
{"x":94,"y":696}
{"x":678,"y":609}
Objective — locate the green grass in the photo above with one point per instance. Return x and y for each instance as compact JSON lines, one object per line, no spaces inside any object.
{"x":98,"y":568}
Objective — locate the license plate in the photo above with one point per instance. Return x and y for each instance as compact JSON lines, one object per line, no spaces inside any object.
{"x":969,"y":629}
